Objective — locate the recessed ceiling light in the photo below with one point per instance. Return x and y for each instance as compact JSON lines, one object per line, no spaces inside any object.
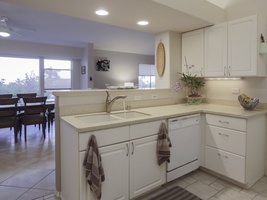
{"x":101,"y":12}
{"x":4,"y":32}
{"x":142,"y":23}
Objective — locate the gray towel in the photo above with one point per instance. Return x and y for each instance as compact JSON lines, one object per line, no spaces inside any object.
{"x":93,"y":166}
{"x":163,"y":145}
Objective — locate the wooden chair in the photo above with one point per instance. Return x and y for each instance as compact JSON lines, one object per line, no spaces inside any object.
{"x":8,"y":114}
{"x":22,"y":95}
{"x":35,"y":113}
{"x":50,"y":118}
{"x":6,"y":96}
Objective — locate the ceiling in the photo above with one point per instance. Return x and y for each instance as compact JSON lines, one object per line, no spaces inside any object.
{"x":73,"y":23}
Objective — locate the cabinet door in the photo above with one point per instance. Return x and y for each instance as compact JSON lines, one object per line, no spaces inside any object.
{"x":145,"y":173}
{"x":116,"y":167}
{"x":242,"y":47}
{"x":115,"y":162}
{"x":193,"y":52}
{"x":216,"y":50}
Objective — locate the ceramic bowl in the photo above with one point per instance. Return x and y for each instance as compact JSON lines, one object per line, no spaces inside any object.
{"x":247,"y":102}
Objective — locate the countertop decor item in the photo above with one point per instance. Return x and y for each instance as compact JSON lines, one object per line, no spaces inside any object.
{"x":247,"y":102}
{"x":192,"y":83}
{"x":160,"y":62}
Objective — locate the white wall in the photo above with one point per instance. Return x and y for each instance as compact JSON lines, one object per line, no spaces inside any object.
{"x":9,"y":47}
{"x":87,"y":61}
{"x":123,"y":68}
{"x":172,"y":44}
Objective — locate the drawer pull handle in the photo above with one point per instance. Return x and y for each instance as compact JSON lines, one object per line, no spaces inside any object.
{"x":223,"y":134}
{"x":127,"y":150}
{"x":223,"y":122}
{"x":222,"y":156}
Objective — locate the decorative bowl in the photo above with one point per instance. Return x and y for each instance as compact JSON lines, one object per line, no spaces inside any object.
{"x":247,"y":102}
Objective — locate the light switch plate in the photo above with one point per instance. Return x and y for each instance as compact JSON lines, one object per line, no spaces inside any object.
{"x":235,"y":90}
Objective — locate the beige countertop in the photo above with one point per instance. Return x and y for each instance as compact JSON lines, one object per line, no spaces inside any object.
{"x":162,"y":113}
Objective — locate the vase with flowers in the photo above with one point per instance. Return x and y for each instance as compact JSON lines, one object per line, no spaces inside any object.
{"x":193,"y":85}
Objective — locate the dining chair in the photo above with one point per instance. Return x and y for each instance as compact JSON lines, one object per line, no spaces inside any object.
{"x":8,"y":114}
{"x":34,"y":113}
{"x":6,"y":96}
{"x":50,"y":118}
{"x":22,"y":95}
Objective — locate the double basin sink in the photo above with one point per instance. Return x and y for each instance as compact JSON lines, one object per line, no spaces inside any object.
{"x":97,"y":118}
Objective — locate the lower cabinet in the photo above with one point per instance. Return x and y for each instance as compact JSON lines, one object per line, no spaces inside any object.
{"x":129,"y":160}
{"x":145,"y":173}
{"x":235,"y":147}
{"x":130,"y":168}
{"x":115,"y":160}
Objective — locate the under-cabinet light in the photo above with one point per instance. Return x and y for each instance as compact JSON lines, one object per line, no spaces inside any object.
{"x":223,"y":79}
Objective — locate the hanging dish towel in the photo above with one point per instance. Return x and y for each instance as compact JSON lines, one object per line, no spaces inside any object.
{"x":163,"y":145}
{"x":93,"y":166}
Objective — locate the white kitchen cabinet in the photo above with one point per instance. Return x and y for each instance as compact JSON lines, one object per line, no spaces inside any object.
{"x":130,"y":165}
{"x":145,"y":173}
{"x":193,"y":52}
{"x":232,"y":48}
{"x":216,"y":50}
{"x":115,"y":162}
{"x":235,"y":147}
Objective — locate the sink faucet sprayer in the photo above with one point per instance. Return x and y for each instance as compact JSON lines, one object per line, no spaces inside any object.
{"x":109,"y":101}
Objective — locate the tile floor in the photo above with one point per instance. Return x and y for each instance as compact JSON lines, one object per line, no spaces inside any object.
{"x":209,"y":187}
{"x":27,"y":172}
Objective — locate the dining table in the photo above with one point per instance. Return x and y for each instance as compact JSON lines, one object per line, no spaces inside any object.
{"x":49,"y":106}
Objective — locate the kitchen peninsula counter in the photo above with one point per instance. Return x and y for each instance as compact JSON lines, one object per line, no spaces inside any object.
{"x":163,"y":112}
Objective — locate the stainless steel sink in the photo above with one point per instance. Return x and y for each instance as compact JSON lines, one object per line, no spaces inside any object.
{"x":98,"y":118}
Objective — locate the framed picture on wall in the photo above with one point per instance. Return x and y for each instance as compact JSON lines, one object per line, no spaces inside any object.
{"x":102,"y":65}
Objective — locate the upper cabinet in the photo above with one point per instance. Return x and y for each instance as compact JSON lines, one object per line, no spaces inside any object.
{"x":216,"y":50}
{"x":193,"y":52}
{"x":232,"y":49}
{"x":243,"y":47}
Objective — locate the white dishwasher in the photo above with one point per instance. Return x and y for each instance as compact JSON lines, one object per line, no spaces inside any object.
{"x":185,"y":136}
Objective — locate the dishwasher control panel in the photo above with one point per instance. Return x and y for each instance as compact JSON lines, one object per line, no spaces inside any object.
{"x":185,"y":121}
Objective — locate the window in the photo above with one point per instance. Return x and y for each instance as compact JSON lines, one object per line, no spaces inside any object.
{"x":28,"y":75}
{"x":57,"y":76}
{"x":146,"y":78}
{"x":19,"y":75}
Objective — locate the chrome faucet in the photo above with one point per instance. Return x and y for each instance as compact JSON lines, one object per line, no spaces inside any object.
{"x":109,"y":101}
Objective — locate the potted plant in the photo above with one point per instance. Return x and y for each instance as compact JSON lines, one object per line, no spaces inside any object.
{"x":193,"y":85}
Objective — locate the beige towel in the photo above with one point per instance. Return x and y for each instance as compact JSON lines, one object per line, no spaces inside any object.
{"x":93,"y":166}
{"x":163,"y":145}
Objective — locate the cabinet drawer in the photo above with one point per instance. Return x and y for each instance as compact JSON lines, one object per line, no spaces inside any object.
{"x":227,"y":164}
{"x":226,"y":122}
{"x":105,"y":137}
{"x":226,"y":139}
{"x":145,"y":129}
